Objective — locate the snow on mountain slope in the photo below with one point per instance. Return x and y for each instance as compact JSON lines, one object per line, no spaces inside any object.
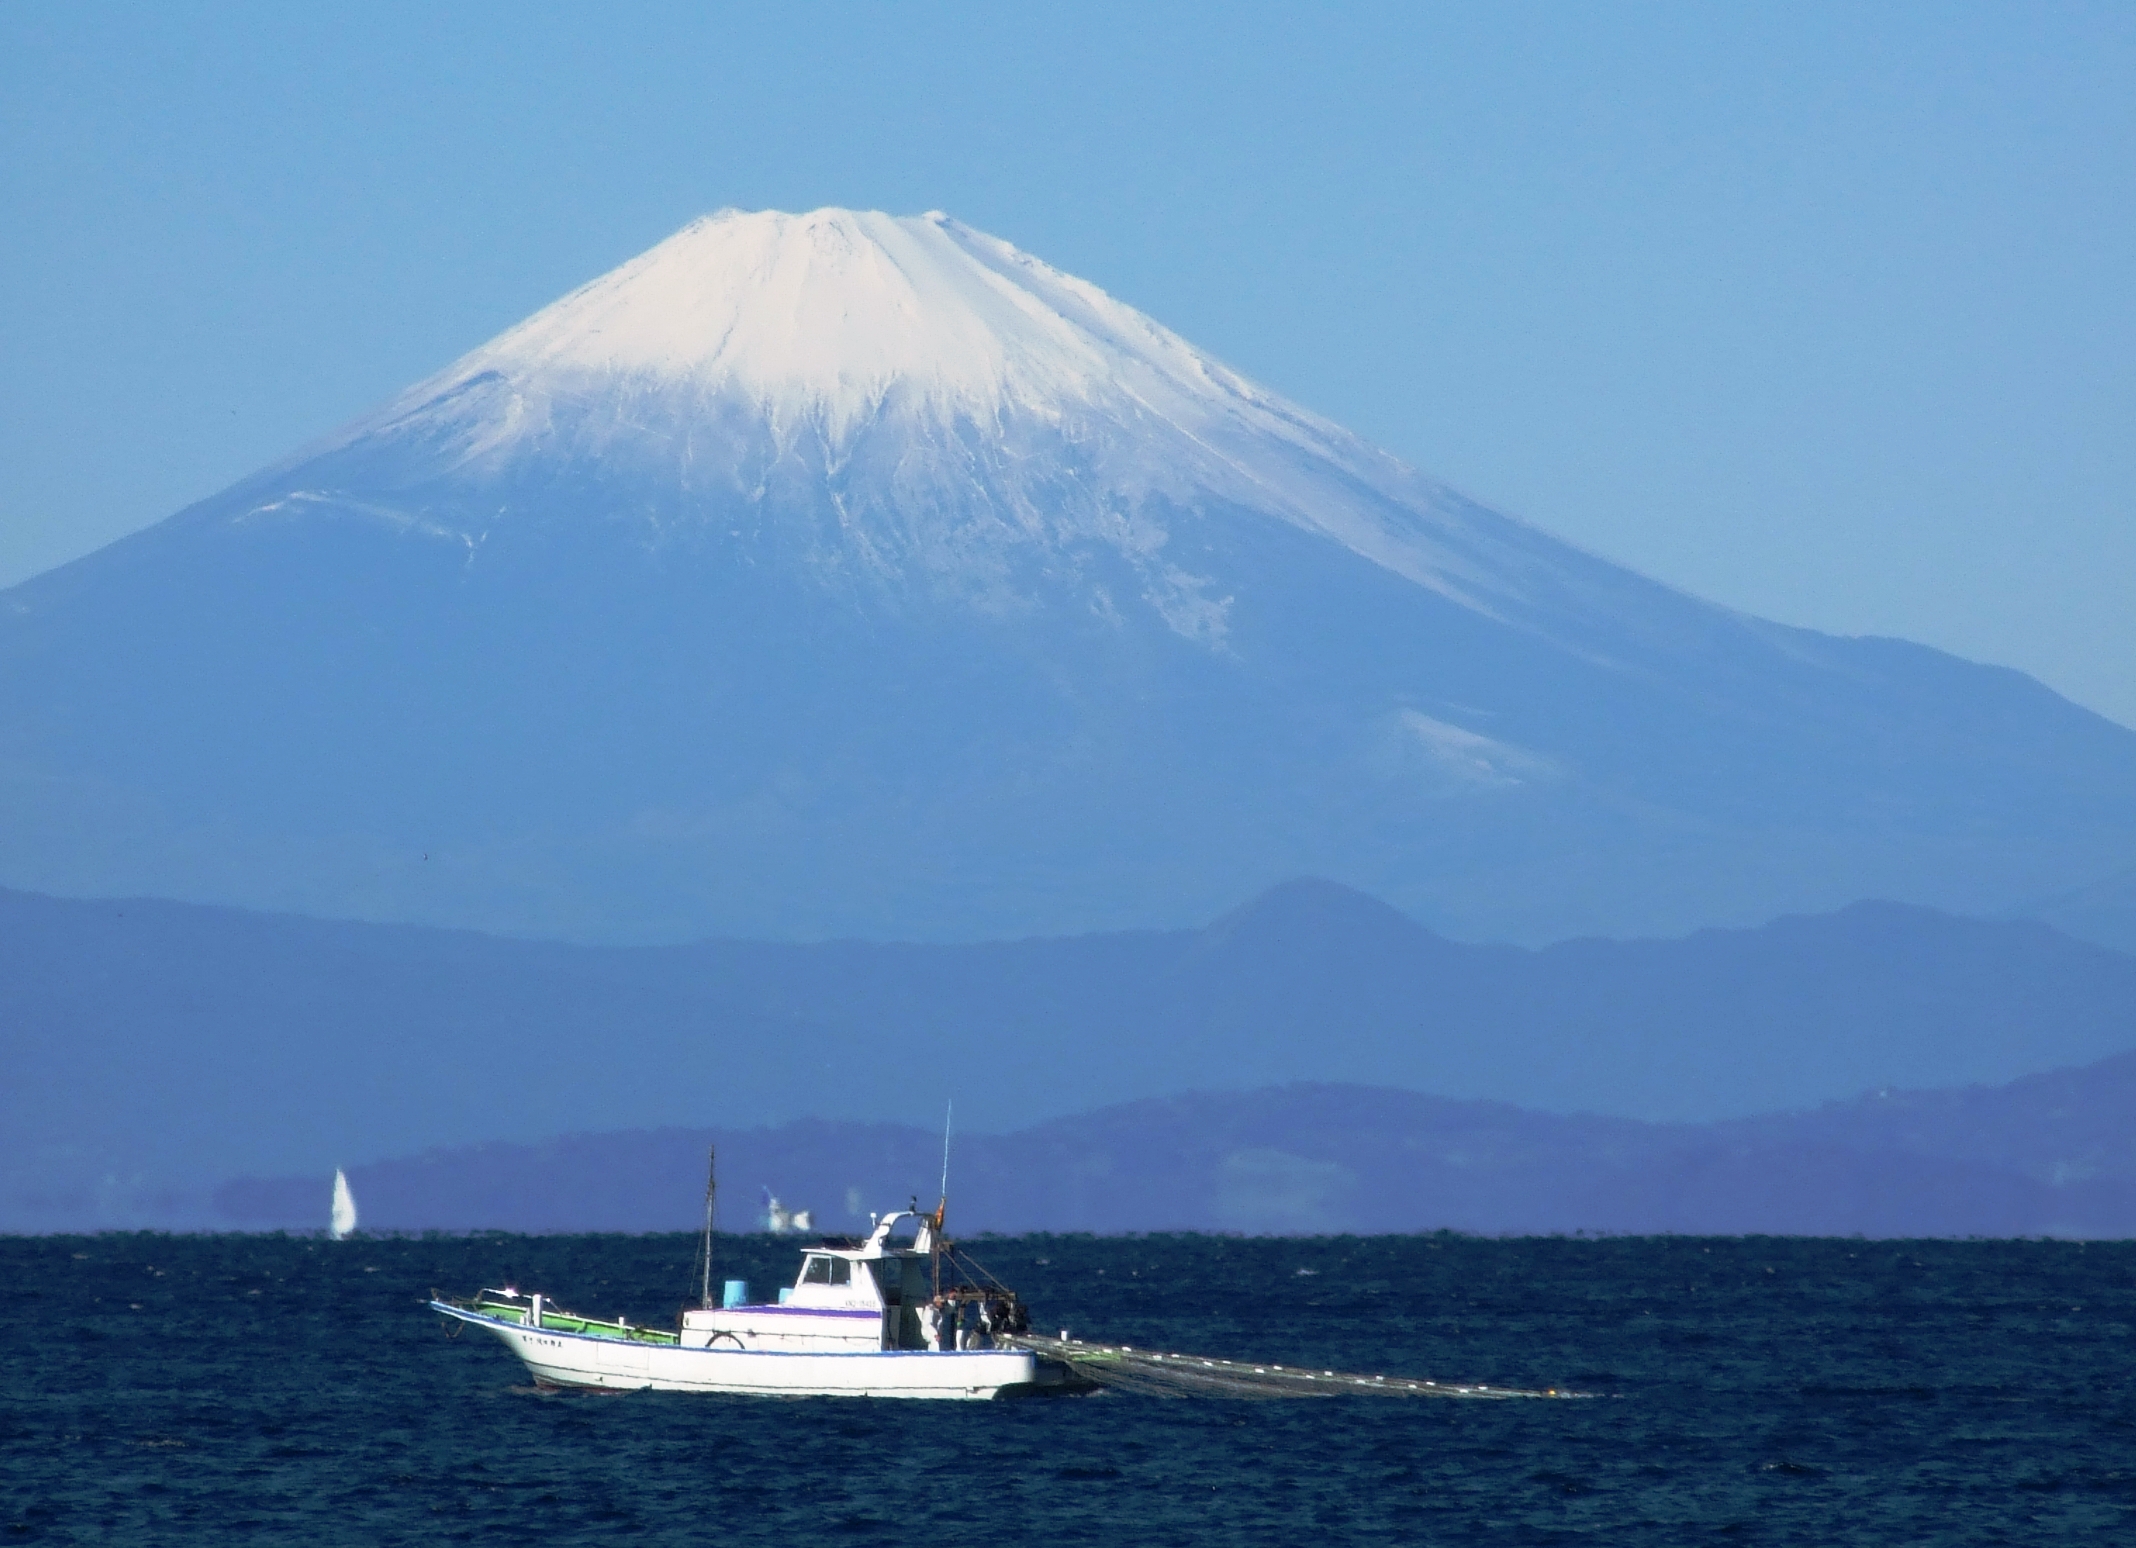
{"x":847,"y":574}
{"x":923,"y":354}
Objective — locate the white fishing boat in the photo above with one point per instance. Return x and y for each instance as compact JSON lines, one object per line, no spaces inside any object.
{"x":897,"y":1314}
{"x":887,"y":1316}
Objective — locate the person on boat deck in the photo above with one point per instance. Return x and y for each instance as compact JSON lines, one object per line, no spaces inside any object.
{"x":938,"y":1323}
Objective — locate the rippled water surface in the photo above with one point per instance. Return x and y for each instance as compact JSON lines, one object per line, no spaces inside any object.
{"x":189,"y":1389}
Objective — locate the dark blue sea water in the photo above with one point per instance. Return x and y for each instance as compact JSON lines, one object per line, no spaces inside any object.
{"x":285,"y":1390}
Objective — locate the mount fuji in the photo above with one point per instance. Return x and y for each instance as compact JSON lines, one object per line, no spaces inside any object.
{"x":839,"y":573}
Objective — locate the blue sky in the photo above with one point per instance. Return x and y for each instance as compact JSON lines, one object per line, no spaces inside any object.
{"x":1824,"y":312}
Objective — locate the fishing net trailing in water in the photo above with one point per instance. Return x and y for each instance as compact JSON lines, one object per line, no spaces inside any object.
{"x":1158,"y":1374}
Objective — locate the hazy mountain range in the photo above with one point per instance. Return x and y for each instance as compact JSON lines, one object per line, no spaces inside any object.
{"x":815,"y":583}
{"x":2053,"y":1154}
{"x":155,"y":1051}
{"x":838,"y":574}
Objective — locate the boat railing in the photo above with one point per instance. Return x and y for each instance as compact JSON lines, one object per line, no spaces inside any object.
{"x":505,"y":1307}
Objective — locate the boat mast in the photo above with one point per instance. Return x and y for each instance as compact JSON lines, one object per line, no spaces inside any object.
{"x":711,"y":1194}
{"x":934,"y":1237}
{"x":947,"y":1114}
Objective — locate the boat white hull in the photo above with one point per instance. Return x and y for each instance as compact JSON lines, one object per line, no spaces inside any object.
{"x":581,"y":1360}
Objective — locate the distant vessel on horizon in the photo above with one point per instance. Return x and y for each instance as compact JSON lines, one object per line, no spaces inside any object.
{"x":779,"y":1220}
{"x":342,"y":1220}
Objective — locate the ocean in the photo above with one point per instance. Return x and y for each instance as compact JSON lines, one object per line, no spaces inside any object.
{"x":185,"y":1389}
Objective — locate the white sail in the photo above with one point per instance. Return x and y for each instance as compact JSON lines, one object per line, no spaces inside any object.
{"x":344,"y":1216}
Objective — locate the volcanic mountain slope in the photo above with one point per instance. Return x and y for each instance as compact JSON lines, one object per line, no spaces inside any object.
{"x":838,"y":573}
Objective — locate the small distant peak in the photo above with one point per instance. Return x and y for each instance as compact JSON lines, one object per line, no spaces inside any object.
{"x":1312,"y":906}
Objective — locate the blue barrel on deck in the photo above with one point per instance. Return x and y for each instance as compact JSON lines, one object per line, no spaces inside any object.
{"x":737,"y":1293}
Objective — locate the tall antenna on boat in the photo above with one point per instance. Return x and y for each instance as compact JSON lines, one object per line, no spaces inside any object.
{"x":711,"y":1195}
{"x":943,"y":1207}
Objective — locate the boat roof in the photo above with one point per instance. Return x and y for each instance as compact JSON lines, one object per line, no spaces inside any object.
{"x":877,"y":1244}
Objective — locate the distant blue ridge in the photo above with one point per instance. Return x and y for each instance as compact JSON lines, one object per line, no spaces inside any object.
{"x":1243,"y":1074}
{"x":2047,"y":1156}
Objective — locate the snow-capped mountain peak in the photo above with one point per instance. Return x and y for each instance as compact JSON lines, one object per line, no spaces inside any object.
{"x":832,"y":311}
{"x":842,"y":340}
{"x":836,"y":574}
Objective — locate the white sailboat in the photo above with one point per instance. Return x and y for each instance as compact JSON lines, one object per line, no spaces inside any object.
{"x":343,"y":1219}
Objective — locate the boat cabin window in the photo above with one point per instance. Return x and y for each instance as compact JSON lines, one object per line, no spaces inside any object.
{"x":821,"y":1270}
